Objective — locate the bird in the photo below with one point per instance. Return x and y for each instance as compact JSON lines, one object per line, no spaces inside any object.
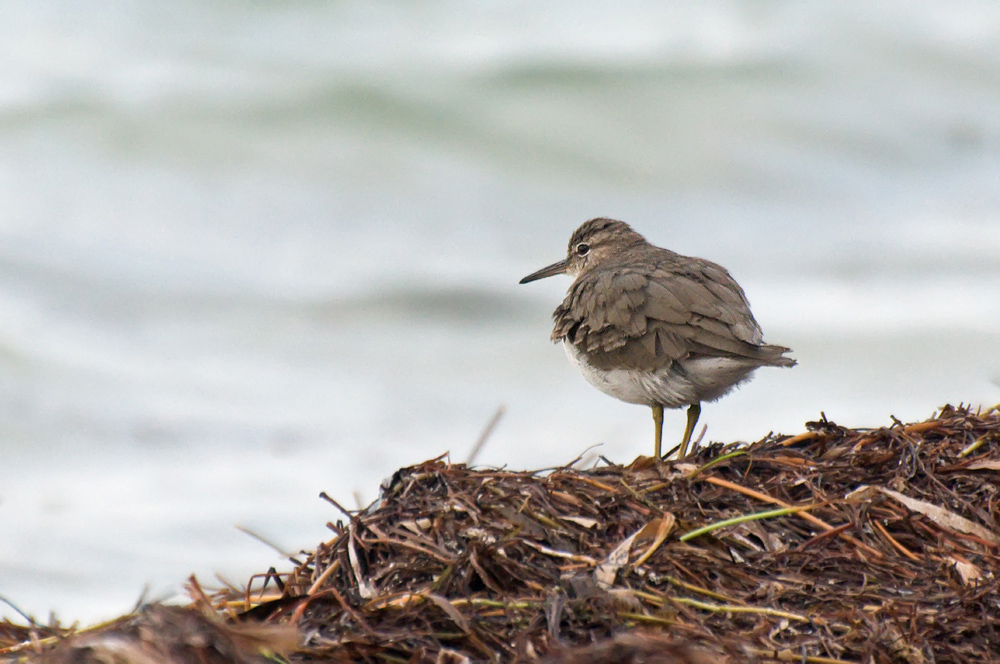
{"x":652,"y":327}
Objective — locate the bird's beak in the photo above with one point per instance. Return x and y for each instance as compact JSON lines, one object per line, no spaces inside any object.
{"x":551,"y":270}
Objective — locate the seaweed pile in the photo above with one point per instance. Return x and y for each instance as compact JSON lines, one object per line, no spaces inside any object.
{"x":834,"y":545}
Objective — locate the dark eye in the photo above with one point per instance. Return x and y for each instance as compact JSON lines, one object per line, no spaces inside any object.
{"x":582,"y":249}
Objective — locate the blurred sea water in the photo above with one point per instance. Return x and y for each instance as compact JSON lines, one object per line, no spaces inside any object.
{"x":253,"y":252}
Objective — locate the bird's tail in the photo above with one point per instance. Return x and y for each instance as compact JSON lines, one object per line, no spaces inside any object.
{"x":774,"y":356}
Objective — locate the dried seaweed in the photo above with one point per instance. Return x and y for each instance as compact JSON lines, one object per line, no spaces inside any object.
{"x":157,"y":634}
{"x":855,"y":546}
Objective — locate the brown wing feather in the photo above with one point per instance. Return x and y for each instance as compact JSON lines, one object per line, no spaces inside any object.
{"x":650,"y":315}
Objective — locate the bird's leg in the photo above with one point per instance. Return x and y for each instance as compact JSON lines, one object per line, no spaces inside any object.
{"x":694,"y":412}
{"x":658,"y":428}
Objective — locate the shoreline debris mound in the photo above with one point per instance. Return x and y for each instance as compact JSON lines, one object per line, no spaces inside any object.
{"x":835,"y":545}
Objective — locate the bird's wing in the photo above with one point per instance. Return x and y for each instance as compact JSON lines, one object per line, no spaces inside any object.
{"x":651,"y":315}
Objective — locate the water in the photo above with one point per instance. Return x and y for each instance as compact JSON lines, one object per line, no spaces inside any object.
{"x":249,"y":253}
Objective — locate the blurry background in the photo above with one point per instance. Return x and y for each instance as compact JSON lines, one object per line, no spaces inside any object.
{"x":254,"y":251}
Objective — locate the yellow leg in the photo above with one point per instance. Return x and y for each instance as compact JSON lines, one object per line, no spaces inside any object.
{"x":658,"y":427}
{"x":694,"y":412}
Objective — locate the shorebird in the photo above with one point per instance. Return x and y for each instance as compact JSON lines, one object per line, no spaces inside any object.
{"x":649,"y":326}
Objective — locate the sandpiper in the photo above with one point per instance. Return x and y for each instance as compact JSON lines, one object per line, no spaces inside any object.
{"x":649,"y":326}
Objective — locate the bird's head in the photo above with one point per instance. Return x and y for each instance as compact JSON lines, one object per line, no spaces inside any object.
{"x":593,"y":243}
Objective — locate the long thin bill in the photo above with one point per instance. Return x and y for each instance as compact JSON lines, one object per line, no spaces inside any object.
{"x":551,"y":270}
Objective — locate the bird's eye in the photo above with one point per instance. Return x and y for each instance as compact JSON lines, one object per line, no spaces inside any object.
{"x":582,"y":249}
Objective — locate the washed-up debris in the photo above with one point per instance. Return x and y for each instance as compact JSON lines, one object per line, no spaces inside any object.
{"x":157,"y":634}
{"x":835,"y":545}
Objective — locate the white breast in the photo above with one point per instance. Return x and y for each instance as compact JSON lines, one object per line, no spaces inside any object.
{"x":633,"y":386}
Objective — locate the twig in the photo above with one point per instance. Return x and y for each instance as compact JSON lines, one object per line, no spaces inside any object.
{"x":805,"y":515}
{"x":653,"y":620}
{"x":560,"y":554}
{"x":591,"y":482}
{"x":21,"y":613}
{"x":743,"y":518}
{"x":263,"y":540}
{"x":321,"y":579}
{"x":325,"y":496}
{"x":892,"y":540}
{"x":484,"y":436}
{"x":716,"y":461}
{"x":804,"y":436}
{"x":973,"y":447}
{"x":729,"y":608}
{"x":921,"y":427}
{"x":791,"y":656}
{"x":660,"y":600}
{"x":822,"y":536}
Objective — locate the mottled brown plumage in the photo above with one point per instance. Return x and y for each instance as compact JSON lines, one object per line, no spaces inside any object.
{"x":649,"y":326}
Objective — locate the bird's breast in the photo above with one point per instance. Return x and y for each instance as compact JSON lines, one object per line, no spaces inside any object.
{"x":664,"y":386}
